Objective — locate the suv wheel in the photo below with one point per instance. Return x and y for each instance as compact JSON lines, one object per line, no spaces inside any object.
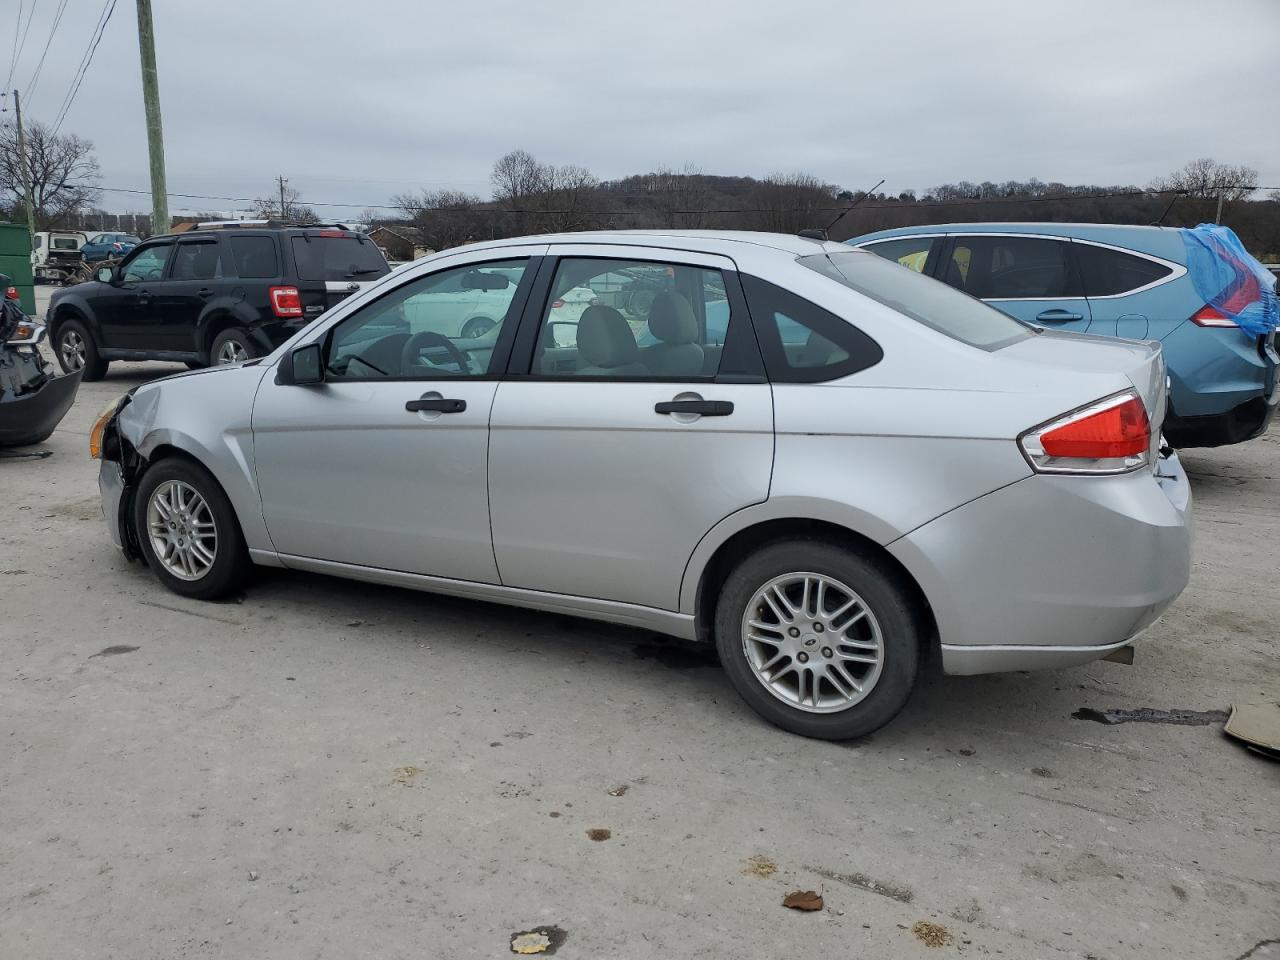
{"x":231,"y":346}
{"x":77,"y":351}
{"x":818,"y":639}
{"x":188,"y":531}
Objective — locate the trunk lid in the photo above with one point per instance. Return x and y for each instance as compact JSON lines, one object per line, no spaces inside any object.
{"x":1093,"y":357}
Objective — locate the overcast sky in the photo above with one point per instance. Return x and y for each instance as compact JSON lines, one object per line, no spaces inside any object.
{"x":356,"y":101}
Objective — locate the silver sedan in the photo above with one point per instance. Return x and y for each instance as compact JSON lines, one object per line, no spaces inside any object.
{"x":829,"y":466}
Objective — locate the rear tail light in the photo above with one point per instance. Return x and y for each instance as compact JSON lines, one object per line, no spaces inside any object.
{"x":11,"y":293}
{"x":1110,"y":436}
{"x":557,"y":304}
{"x":1206,"y":316}
{"x":285,"y":301}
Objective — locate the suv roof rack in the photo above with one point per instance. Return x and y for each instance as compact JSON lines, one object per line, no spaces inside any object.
{"x":269,"y":224}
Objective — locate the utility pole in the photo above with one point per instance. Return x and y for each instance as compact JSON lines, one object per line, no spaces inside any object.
{"x":283,"y":214}
{"x":1218,"y":216}
{"x":155,"y":134}
{"x":25,"y":166}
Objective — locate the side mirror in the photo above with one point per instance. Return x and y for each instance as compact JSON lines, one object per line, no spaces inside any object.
{"x":106,"y":274}
{"x":301,"y":367}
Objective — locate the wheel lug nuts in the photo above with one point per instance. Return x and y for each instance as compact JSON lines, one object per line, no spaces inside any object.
{"x":818,"y":628}
{"x":794,"y":632}
{"x":827,"y":652}
{"x":802,"y":657}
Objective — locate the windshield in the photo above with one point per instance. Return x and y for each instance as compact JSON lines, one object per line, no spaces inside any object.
{"x":936,"y":305}
{"x":338,"y":258}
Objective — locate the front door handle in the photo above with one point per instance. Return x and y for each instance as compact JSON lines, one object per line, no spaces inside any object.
{"x":1058,"y":316}
{"x":436,"y":405}
{"x":704,"y":408}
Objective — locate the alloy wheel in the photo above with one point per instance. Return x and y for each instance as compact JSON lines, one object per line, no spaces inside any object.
{"x":182,"y":531}
{"x":71,"y":346}
{"x":812,"y":642}
{"x":231,"y":351}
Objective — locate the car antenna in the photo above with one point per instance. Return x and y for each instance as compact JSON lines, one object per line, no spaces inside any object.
{"x":1176,"y":195}
{"x":841,"y":215}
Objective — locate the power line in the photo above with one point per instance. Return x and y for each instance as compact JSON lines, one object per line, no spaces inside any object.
{"x":17,"y":29}
{"x":490,"y":209}
{"x":35,"y":77}
{"x":109,"y":7}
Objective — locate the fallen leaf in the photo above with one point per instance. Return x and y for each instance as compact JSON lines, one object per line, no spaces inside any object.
{"x":405,"y":775}
{"x":599,"y":834}
{"x":618,"y":791}
{"x":931,"y":934}
{"x":115,"y":651}
{"x":760,"y":866}
{"x":535,"y":942}
{"x":803,"y":900}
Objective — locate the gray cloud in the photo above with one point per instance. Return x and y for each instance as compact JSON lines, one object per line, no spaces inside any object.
{"x":355,"y":102}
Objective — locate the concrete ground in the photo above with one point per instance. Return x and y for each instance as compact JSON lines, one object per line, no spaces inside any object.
{"x":326,"y":769}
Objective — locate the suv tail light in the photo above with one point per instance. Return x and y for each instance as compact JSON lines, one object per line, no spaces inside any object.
{"x":285,"y":301}
{"x":1206,"y":316}
{"x":1110,"y":436}
{"x":557,"y":304}
{"x":11,"y":293}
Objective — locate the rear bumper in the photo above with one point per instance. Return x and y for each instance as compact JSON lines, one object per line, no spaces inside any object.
{"x":1053,"y":570}
{"x":1250,"y":419}
{"x":31,"y":417}
{"x":1222,"y":383}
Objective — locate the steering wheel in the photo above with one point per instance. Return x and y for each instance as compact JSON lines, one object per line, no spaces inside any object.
{"x":413,"y":347}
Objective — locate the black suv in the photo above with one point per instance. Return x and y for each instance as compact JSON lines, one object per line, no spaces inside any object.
{"x":218,"y":293}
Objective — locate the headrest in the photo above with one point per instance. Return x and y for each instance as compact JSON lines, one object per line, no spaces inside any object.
{"x":605,"y":339}
{"x":671,"y":319}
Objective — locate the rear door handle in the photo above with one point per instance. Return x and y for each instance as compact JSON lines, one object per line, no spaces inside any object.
{"x":204,"y":293}
{"x":1058,"y":316}
{"x":436,"y":405}
{"x":705,"y":408}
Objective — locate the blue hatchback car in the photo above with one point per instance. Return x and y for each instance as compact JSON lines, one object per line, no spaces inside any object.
{"x":1117,"y":281}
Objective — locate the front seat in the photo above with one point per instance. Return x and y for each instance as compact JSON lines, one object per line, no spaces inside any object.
{"x":677,"y":352}
{"x":606,"y":345}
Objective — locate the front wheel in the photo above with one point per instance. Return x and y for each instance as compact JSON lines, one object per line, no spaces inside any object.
{"x":820,"y":640}
{"x":476,"y":327}
{"x":76,"y":350}
{"x":188,"y":531}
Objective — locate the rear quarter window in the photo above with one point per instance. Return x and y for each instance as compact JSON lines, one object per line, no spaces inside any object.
{"x":338,"y":258}
{"x":1106,"y":272}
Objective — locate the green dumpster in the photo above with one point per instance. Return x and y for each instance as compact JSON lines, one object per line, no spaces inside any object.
{"x":15,"y":262}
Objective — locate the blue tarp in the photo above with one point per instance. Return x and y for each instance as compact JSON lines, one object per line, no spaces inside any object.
{"x":1230,"y":280}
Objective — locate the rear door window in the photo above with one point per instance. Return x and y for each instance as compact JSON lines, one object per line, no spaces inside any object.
{"x":1106,"y":272}
{"x":196,"y":261}
{"x":993,"y":267}
{"x":909,"y":252}
{"x":255,"y":257}
{"x":321,"y":257}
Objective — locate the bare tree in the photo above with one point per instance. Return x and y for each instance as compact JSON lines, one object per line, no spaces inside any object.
{"x":445,"y":218}
{"x":287,"y":207}
{"x":790,"y":202}
{"x":680,"y":197}
{"x":565,"y":201}
{"x":1205,"y":178}
{"x":61,"y":168}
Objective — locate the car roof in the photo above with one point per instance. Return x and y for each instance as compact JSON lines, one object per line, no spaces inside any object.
{"x":724,"y":242}
{"x":1162,"y":241}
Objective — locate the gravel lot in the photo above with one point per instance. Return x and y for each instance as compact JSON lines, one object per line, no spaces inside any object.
{"x":327,"y":769}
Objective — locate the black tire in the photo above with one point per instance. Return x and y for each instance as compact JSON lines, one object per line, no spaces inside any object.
{"x":74,"y":340}
{"x":194,"y":364}
{"x":231,"y":340}
{"x":231,"y":564}
{"x":476,"y":327}
{"x":883,"y":593}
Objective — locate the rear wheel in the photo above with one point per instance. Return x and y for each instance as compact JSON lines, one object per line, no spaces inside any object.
{"x":77,"y":351}
{"x":231,"y":346}
{"x":818,"y":639}
{"x":188,"y":531}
